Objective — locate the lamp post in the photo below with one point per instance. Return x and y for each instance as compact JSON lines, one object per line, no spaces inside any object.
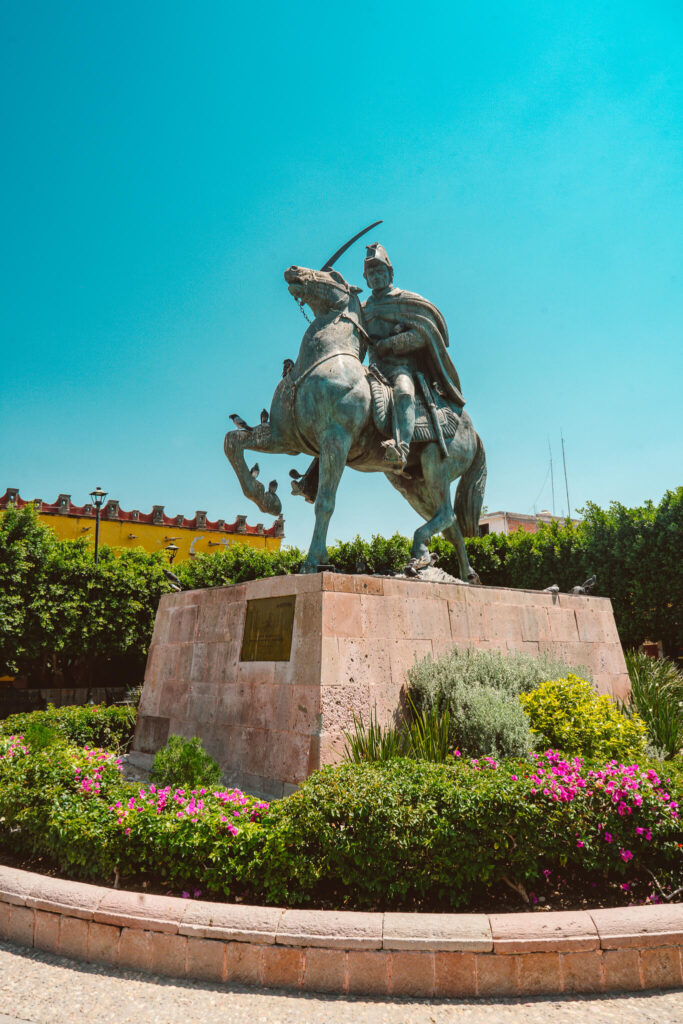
{"x":173,"y":550}
{"x":98,"y":496}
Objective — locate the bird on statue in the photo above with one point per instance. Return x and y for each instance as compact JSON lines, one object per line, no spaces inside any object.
{"x":287,"y":366}
{"x":172,"y":579}
{"x":554,"y":589}
{"x":255,"y":470}
{"x":265,"y":416}
{"x":295,"y":474}
{"x":272,"y":486}
{"x":239,"y":422}
{"x":586,"y":587}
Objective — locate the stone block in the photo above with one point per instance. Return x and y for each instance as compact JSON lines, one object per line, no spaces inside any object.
{"x":46,"y":932}
{"x":561,"y":931}
{"x":360,"y":662}
{"x":534,"y":623}
{"x":366,"y":585}
{"x":641,"y":927}
{"x":412,"y":974}
{"x":563,"y":628}
{"x":244,"y":963}
{"x":168,"y":954}
{"x":462,"y":932}
{"x":140,"y":910}
{"x":16,"y":885}
{"x":496,"y":975}
{"x":206,"y":959}
{"x":341,"y":614}
{"x":504,"y":622}
{"x":621,"y":970}
{"x":232,"y":922}
{"x":581,"y":972}
{"x":21,"y":924}
{"x":304,"y":709}
{"x":74,"y":937}
{"x":103,"y":942}
{"x":661,"y":968}
{"x":135,"y":949}
{"x":539,"y":973}
{"x":332,"y":929}
{"x":324,"y":970}
{"x":404,"y":653}
{"x":283,"y":967}
{"x":368,"y":973}
{"x":455,"y":975}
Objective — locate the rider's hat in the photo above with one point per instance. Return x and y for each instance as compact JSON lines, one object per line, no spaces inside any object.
{"x":376,"y":253}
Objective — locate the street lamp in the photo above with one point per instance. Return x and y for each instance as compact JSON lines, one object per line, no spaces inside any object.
{"x":173,"y":550}
{"x":98,"y":496}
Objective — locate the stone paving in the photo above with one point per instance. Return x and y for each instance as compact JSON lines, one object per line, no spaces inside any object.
{"x":39,"y":988}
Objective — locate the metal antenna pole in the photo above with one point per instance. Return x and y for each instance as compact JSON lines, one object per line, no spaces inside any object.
{"x":564,"y":461}
{"x":552,"y":477}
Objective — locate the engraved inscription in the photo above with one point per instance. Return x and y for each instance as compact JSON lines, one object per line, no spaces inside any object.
{"x":268,"y":629}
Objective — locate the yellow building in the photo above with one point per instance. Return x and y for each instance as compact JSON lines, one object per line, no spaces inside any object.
{"x":154,"y":531}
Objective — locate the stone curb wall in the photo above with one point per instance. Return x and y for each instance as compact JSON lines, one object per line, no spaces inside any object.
{"x":385,"y":954}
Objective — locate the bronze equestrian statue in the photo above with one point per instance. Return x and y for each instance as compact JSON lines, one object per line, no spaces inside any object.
{"x":403,"y":415}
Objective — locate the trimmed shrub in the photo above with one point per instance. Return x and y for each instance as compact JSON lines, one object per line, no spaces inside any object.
{"x":479,"y":689}
{"x":657,"y":697}
{"x":414,"y":834}
{"x":403,"y":834}
{"x":185,"y":763}
{"x":94,"y":725}
{"x":568,"y":715}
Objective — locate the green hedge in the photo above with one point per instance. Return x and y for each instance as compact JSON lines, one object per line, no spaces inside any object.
{"x":400,"y":835}
{"x":64,"y":618}
{"x":94,"y":725}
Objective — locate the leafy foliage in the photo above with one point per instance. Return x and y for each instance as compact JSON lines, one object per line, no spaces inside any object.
{"x":184,"y":763}
{"x":411,"y":833}
{"x":400,"y":834}
{"x":236,"y":564}
{"x":64,"y":618}
{"x":568,"y":714}
{"x":657,"y":697}
{"x":62,"y":615}
{"x":426,"y":737}
{"x":479,"y":690}
{"x":93,"y":725}
{"x":635,"y":553}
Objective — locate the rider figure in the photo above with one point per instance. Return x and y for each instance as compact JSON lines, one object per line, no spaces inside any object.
{"x":409,"y":338}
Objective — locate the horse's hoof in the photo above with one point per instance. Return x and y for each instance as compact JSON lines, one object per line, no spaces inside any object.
{"x":473,"y":578}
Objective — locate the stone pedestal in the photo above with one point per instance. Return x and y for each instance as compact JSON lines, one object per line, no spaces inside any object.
{"x":331,"y":645}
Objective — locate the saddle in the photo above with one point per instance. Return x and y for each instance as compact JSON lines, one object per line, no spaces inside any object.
{"x":382,"y":410}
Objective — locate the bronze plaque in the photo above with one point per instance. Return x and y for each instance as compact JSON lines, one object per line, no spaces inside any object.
{"x":268,"y":629}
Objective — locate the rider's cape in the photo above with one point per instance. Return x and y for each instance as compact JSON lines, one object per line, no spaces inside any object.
{"x":400,"y":307}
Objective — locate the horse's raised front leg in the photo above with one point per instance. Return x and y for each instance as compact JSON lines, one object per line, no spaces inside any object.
{"x":260,"y":439}
{"x":334,"y":450}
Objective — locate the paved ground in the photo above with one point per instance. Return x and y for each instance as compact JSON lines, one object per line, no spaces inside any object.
{"x":38,"y":988}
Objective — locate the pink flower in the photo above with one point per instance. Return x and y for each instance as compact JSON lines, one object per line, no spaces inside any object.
{"x":626,"y":855}
{"x":579,"y":843}
{"x":608,"y":837}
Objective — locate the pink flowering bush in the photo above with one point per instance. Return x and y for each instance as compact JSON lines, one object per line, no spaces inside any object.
{"x":71,"y":807}
{"x":398,"y":834}
{"x":411,"y":833}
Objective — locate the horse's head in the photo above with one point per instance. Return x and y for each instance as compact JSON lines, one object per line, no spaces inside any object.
{"x":323,"y":290}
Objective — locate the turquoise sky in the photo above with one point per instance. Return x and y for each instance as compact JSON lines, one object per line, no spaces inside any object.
{"x":163,"y":163}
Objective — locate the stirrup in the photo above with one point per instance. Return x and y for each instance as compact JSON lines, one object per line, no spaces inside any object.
{"x":396,"y":454}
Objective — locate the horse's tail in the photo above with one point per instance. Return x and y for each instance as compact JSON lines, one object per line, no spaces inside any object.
{"x":469,"y":496}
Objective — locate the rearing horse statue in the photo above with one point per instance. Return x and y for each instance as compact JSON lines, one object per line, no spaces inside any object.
{"x":323,"y":407}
